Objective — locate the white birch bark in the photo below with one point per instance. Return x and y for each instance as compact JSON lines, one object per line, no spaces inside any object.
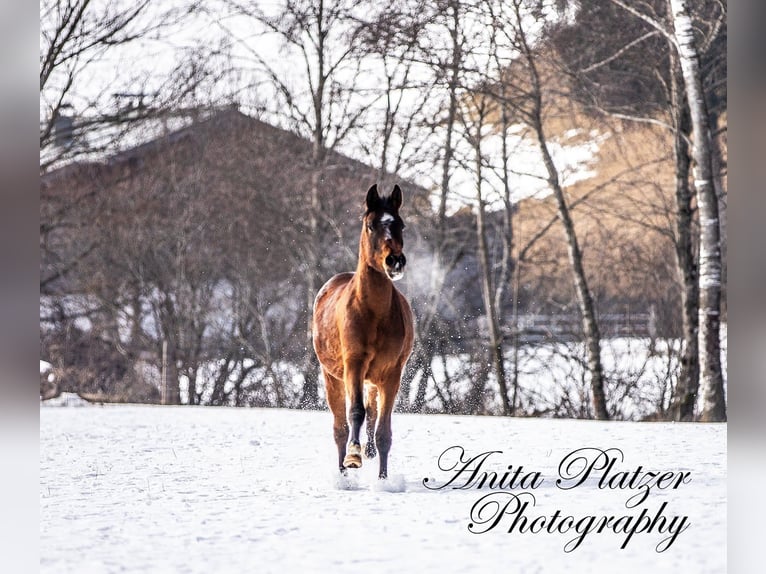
{"x":711,"y":376}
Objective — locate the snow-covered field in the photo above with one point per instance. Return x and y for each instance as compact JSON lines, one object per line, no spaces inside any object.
{"x":164,"y":489}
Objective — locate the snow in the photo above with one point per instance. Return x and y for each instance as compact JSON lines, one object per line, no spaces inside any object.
{"x":552,"y":378}
{"x":184,"y":489}
{"x":65,"y":400}
{"x":574,"y":161}
{"x":47,"y":369}
{"x":639,"y":372}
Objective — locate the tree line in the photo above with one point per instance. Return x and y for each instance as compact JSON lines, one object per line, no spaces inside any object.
{"x":198,"y":261}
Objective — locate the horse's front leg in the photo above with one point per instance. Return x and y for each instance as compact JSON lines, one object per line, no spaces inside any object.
{"x":354,"y":380}
{"x":383,"y":435}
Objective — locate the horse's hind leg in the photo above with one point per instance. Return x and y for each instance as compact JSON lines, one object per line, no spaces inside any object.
{"x":371,"y":408}
{"x":336,"y":399}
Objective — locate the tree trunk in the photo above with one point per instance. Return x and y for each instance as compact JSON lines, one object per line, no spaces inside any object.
{"x":685,"y":394}
{"x":508,"y":270}
{"x":516,"y":341}
{"x":584,"y":298}
{"x":420,"y":398}
{"x":711,"y":376}
{"x":310,"y":391}
{"x":172,"y":390}
{"x":455,"y":65}
{"x":507,"y":264}
{"x":487,"y":291}
{"x":719,"y":169}
{"x":425,"y":343}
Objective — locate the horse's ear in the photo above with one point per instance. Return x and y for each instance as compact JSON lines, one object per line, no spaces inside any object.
{"x":396,"y":197}
{"x":373,"y":199}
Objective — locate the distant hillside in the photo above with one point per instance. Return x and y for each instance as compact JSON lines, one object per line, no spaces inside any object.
{"x":624,"y":219}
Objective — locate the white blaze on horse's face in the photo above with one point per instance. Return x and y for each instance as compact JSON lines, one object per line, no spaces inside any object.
{"x":394,"y":264}
{"x":385,"y":220}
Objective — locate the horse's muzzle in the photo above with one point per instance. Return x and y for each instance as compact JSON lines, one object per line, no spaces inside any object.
{"x":395,"y":266}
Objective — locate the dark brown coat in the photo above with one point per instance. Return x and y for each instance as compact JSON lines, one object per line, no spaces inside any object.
{"x":363,"y":335}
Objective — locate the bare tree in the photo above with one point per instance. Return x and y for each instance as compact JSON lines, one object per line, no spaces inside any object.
{"x":76,"y":36}
{"x":531,"y":93}
{"x":509,"y":268}
{"x":319,"y":104}
{"x":441,"y":47}
{"x":389,"y":40}
{"x":605,"y":51}
{"x":475,"y":119}
{"x":74,"y":33}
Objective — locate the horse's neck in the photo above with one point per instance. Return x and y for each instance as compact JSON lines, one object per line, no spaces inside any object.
{"x":372,"y":288}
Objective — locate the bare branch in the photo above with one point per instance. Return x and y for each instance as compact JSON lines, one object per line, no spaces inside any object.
{"x":618,"y":53}
{"x":648,"y":19}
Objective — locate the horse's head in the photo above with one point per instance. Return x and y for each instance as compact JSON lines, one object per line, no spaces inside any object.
{"x":382,"y":233}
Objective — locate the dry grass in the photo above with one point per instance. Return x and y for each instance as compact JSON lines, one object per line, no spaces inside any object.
{"x":623,"y":215}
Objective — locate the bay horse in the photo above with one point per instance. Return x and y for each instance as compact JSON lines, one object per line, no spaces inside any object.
{"x":363,"y":335}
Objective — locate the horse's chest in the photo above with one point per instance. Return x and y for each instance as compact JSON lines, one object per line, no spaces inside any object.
{"x":389,"y":346}
{"x":382,"y":340}
{"x":389,"y":342}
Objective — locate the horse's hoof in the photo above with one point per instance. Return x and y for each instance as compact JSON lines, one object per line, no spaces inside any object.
{"x":353,"y":457}
{"x":352,"y":461}
{"x":370,"y":450}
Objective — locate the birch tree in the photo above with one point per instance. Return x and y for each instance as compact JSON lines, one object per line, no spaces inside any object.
{"x":713,"y":401}
{"x":685,"y":395}
{"x":682,"y":37}
{"x":605,"y":52}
